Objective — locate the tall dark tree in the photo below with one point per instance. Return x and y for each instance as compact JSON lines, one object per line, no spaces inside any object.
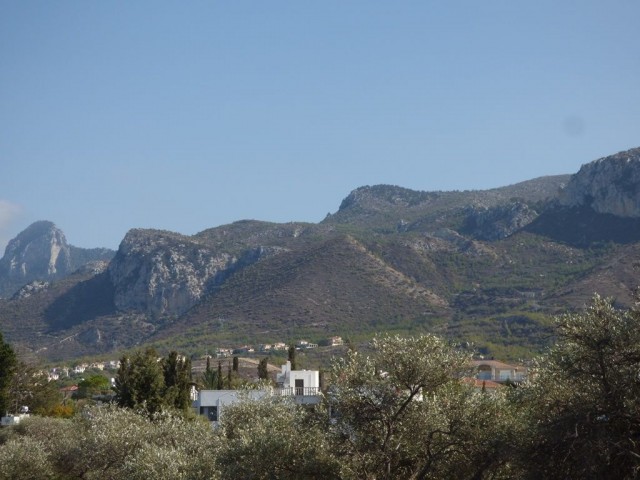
{"x":140,"y":382}
{"x":7,"y":367}
{"x":263,"y":373}
{"x":292,"y":356}
{"x":123,"y":384}
{"x":177,"y":381}
{"x":220,"y":384}
{"x":209,"y":377}
{"x":235,"y":364}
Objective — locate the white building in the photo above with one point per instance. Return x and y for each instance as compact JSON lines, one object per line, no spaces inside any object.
{"x":303,"y":344}
{"x":211,"y":403}
{"x":302,"y":386}
{"x":10,"y":420}
{"x":499,"y":371}
{"x":299,"y":383}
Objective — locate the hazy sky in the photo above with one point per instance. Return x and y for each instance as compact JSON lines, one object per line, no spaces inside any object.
{"x":188,"y":115}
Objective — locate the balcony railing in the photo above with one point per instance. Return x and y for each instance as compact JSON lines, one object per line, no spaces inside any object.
{"x":296,"y":391}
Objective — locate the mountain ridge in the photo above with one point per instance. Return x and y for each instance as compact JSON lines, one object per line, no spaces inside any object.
{"x":487,"y":266}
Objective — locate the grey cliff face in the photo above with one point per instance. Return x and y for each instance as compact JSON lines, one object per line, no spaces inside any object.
{"x":498,"y":222}
{"x":608,"y":185}
{"x":163,"y":273}
{"x":39,"y":252}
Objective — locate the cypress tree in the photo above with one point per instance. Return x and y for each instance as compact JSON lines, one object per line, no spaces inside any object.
{"x":209,"y":378}
{"x":8,"y":363}
{"x":140,"y":382}
{"x":292,"y":356}
{"x":235,"y":364}
{"x":177,"y":381}
{"x":263,"y":373}
{"x":220,"y":385}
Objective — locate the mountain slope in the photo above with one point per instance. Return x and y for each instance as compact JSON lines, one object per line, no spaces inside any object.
{"x":483,"y":266}
{"x":336,"y":283}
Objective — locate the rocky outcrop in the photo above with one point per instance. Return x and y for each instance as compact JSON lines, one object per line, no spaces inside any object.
{"x":498,"y":222}
{"x":609,"y":185}
{"x":38,"y":252}
{"x":41,"y":253}
{"x":32,"y":288}
{"x":164,"y":274}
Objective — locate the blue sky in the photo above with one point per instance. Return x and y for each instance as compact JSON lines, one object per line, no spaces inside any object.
{"x":188,"y":115}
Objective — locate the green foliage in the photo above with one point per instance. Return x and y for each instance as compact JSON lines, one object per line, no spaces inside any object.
{"x":220,"y":379}
{"x":93,"y":385}
{"x":584,"y":397}
{"x":273,"y":438}
{"x":31,"y":388}
{"x":177,"y":381}
{"x":25,"y":458}
{"x":235,"y":364}
{"x":402,"y":407}
{"x":292,"y":356}
{"x":209,"y":377}
{"x":386,"y":423}
{"x":263,"y":373}
{"x":7,"y":365}
{"x":140,"y":382}
{"x":110,"y":443}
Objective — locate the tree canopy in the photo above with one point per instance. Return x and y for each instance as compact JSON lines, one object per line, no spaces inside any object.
{"x":145,"y":381}
{"x":584,"y":400}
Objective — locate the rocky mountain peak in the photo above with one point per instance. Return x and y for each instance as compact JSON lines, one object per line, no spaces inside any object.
{"x":607,"y":185}
{"x":377,"y":196}
{"x":40,"y":251}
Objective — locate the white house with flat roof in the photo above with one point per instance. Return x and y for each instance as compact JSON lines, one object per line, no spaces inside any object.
{"x":211,"y":403}
{"x":298,"y":382}
{"x":301,"y":386}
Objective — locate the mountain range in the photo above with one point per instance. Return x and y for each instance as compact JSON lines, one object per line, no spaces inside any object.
{"x":488,"y":267}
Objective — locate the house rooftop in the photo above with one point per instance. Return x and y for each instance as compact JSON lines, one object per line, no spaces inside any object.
{"x":496,"y":364}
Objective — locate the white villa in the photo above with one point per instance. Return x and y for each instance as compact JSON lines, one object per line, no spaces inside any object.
{"x":301,"y":386}
{"x":498,"y":371}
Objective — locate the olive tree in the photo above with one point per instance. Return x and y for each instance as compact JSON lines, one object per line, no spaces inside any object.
{"x":405,"y":411}
{"x":274,"y":438}
{"x":584,"y":397}
{"x":108,"y":442}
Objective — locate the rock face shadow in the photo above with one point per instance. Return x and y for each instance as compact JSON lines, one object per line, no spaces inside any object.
{"x":85,"y":301}
{"x":582,"y":227}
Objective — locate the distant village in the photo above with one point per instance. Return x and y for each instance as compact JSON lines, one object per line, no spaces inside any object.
{"x":61,"y":372}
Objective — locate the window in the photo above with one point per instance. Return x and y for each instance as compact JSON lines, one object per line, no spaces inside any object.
{"x":210,"y":412}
